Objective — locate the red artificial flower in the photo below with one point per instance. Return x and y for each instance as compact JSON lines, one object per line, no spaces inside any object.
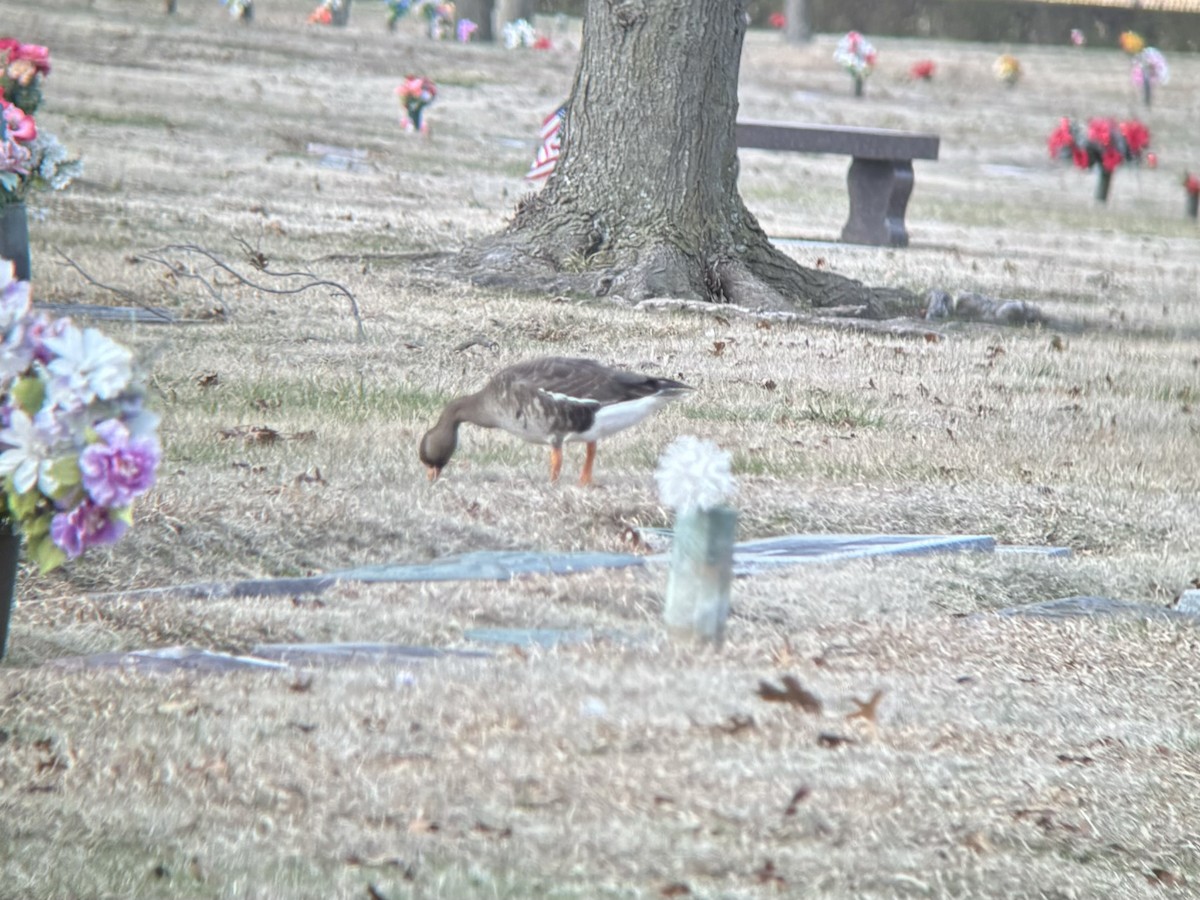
{"x":320,"y":16}
{"x":1062,"y":139}
{"x":1191,"y":183}
{"x":1100,"y":132}
{"x":541,"y":42}
{"x":776,"y":20}
{"x":923,"y":69}
{"x":1079,"y":156}
{"x":1110,"y":158}
{"x":8,"y":45}
{"x":1137,"y":136}
{"x":20,"y":127}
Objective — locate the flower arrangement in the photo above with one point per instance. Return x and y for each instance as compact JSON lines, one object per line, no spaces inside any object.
{"x":856,"y":55}
{"x":77,"y":445}
{"x":1131,"y":42}
{"x":440,"y":18}
{"x":1105,"y":143}
{"x":1007,"y":69}
{"x":240,"y":9}
{"x":415,"y":94}
{"x":325,"y":13}
{"x":465,"y":30}
{"x":1078,"y":38}
{"x":518,"y":33}
{"x":397,"y":10}
{"x":30,"y":159}
{"x":1149,"y":69}
{"x":777,"y":20}
{"x":923,"y":69}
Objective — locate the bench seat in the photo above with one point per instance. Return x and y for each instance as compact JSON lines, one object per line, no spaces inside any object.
{"x":880,"y":179}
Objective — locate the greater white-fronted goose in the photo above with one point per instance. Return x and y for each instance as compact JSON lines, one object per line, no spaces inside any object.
{"x":549,"y":401}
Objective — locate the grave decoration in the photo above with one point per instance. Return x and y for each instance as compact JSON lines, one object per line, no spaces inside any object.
{"x":415,"y":94}
{"x":923,"y":69}
{"x":696,"y":481}
{"x":326,"y":13}
{"x":1148,"y":71}
{"x":1191,"y":186}
{"x":396,"y":10}
{"x":1078,"y":38}
{"x":30,"y":159}
{"x":856,"y":55}
{"x":551,"y":137}
{"x":1007,"y":69}
{"x":77,"y":444}
{"x":777,"y":20}
{"x":519,"y":33}
{"x":440,"y":19}
{"x":1105,"y":144}
{"x":465,"y":30}
{"x":240,"y":9}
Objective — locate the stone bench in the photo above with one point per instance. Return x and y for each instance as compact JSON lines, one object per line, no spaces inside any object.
{"x":881,"y":172}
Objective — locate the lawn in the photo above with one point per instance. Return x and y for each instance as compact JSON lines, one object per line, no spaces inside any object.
{"x":1010,"y":757}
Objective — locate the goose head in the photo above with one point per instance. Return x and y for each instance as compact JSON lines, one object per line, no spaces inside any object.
{"x":437,"y":446}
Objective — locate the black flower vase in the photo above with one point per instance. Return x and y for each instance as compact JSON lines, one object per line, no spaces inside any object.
{"x":14,"y":238}
{"x":1193,"y":203}
{"x":10,"y":552}
{"x":1147,"y":87}
{"x":1103,"y":185}
{"x":858,"y":86}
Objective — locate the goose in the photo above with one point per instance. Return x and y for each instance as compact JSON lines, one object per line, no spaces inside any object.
{"x":551,"y":400}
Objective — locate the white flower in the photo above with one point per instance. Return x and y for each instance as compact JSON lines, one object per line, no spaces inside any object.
{"x":694,"y":474}
{"x":87,"y":365}
{"x":27,"y":458}
{"x":14,"y":296}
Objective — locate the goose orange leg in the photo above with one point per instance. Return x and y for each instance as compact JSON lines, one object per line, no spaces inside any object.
{"x":555,"y":462}
{"x":585,"y":477}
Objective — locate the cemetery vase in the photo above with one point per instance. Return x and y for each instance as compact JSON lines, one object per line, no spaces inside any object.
{"x":10,"y":551}
{"x":14,"y":238}
{"x":701,"y":575}
{"x":1147,"y":87}
{"x":858,"y":86}
{"x":341,"y":14}
{"x":1103,"y":185}
{"x":1193,"y":201}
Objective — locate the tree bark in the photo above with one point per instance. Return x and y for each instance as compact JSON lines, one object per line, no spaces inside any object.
{"x":644,"y":200}
{"x":796,"y":28}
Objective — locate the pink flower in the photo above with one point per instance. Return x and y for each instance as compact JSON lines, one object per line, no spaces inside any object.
{"x":36,"y":54}
{"x":118,"y":467}
{"x":20,"y":126}
{"x":776,"y":20}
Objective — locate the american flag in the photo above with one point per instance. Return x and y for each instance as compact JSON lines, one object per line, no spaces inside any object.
{"x":547,"y":155}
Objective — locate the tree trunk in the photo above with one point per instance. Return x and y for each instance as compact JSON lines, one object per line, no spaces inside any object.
{"x":796,"y":28}
{"x":644,"y":200}
{"x":480,"y":12}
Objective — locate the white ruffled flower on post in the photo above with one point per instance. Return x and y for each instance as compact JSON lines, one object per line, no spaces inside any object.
{"x":695,"y":478}
{"x":694,"y":474}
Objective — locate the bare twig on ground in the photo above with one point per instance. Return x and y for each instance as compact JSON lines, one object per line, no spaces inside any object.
{"x":120,"y":292}
{"x":259,"y":262}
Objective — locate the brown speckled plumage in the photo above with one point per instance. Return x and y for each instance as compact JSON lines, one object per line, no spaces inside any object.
{"x":549,"y":401}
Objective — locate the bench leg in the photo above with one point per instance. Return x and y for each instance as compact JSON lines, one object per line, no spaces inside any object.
{"x":879,"y":192}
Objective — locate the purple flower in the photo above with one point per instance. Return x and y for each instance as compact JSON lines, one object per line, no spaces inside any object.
{"x":118,"y":468}
{"x":87,"y":525}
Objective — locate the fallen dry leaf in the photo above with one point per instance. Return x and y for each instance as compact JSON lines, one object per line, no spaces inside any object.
{"x":422,"y":825}
{"x":829,"y":741}
{"x":1165,"y":878}
{"x":768,"y":874}
{"x":802,"y":793}
{"x":867,"y":710}
{"x":791,"y":692}
{"x":675,"y":889}
{"x":208,"y":379}
{"x":735,"y":724}
{"x":718,"y":348}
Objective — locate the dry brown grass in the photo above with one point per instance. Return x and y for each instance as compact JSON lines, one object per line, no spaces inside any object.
{"x":1010,"y":758}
